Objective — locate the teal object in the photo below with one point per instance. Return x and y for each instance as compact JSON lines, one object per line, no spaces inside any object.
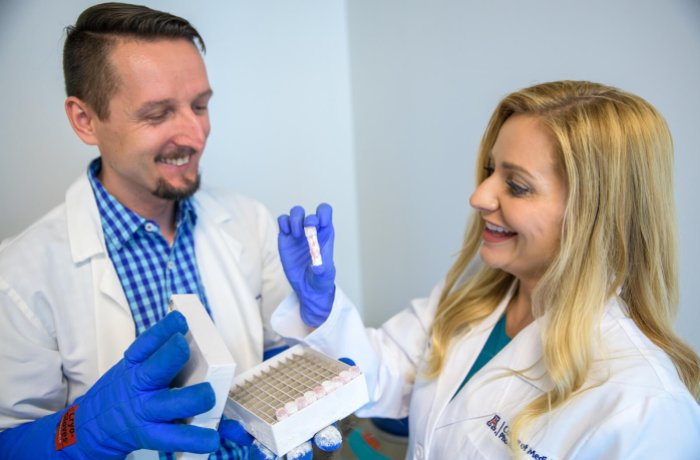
{"x":361,"y":448}
{"x":497,"y":340}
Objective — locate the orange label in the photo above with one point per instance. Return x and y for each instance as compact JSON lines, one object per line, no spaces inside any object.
{"x":65,"y":433}
{"x":370,"y":440}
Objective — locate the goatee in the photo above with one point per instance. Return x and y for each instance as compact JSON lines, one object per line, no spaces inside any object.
{"x":168,"y":192}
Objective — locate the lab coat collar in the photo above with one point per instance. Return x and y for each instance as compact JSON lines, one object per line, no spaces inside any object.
{"x":461,"y":357}
{"x":83,"y":219}
{"x":113,"y":321}
{"x":85,"y":229}
{"x":85,"y":232}
{"x":486,"y":389}
{"x":522,"y":354}
{"x":207,"y":208}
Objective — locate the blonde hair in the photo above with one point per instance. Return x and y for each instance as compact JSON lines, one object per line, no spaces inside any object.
{"x":619,"y":232}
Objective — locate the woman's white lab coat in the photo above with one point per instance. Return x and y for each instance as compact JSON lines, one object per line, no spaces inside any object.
{"x":635,"y":406}
{"x":66,"y":320}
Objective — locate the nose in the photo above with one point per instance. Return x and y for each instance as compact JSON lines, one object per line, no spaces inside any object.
{"x":485,"y":198}
{"x":192,"y":130}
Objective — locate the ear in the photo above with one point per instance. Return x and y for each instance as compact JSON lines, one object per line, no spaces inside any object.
{"x":82,"y":119}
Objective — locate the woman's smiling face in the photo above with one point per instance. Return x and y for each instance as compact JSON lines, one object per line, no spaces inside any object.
{"x":522,"y":201}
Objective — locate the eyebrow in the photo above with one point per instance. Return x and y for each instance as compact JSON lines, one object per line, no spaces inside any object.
{"x":164,"y":103}
{"x":513,"y":167}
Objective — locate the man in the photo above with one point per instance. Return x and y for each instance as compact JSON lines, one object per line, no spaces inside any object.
{"x":79,"y":285}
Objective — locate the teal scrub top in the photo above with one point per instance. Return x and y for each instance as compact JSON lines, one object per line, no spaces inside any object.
{"x":496,"y":342}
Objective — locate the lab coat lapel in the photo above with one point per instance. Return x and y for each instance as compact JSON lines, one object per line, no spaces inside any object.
{"x":113,"y":321}
{"x":213,"y":220}
{"x":233,"y":306}
{"x":460,"y":360}
{"x":113,"y":318}
{"x":496,"y":388}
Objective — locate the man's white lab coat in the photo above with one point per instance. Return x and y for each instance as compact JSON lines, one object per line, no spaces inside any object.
{"x":635,"y":406}
{"x":64,"y":318}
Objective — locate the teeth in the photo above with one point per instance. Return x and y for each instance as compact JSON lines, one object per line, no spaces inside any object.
{"x":496,"y":228}
{"x":176,"y":161}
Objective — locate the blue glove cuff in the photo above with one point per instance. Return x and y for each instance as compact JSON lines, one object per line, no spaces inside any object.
{"x":315,"y":310}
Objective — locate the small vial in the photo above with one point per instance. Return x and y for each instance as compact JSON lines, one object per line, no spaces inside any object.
{"x":291,"y":407}
{"x":301,"y":402}
{"x":320,"y":391}
{"x":310,"y":397}
{"x":345,"y":376}
{"x":314,"y":248}
{"x":281,"y":413}
{"x":329,"y":385}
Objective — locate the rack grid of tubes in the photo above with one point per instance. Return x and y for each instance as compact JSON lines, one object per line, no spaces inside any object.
{"x":289,"y":385}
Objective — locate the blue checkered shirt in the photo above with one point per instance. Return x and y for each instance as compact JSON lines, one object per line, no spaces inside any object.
{"x":149,"y":268}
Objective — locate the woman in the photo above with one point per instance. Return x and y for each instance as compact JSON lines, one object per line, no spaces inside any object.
{"x":558,"y":342}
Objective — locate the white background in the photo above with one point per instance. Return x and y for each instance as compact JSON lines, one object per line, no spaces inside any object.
{"x":375,"y":106}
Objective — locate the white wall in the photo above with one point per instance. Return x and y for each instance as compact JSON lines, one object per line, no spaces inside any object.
{"x":426,"y":76}
{"x":396,"y":156}
{"x":281,"y":115}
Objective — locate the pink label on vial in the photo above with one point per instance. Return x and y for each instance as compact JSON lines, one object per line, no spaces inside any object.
{"x":314,"y":249}
{"x":281,"y":413}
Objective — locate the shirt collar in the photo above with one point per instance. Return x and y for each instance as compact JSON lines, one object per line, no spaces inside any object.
{"x":120,"y":223}
{"x":186,"y":215}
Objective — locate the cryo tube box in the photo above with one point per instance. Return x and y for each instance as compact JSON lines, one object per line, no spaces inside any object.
{"x":287,"y":399}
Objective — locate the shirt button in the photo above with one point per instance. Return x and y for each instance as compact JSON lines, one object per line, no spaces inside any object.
{"x":150,"y":227}
{"x":171,"y":265}
{"x":419,"y":451}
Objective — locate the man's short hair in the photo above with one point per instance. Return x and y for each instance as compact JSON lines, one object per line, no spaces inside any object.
{"x":87,"y":71}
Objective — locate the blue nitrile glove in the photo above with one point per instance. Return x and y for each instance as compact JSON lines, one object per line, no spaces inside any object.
{"x":315,"y":286}
{"x":328,"y":440}
{"x":233,"y":431}
{"x":130,"y":407}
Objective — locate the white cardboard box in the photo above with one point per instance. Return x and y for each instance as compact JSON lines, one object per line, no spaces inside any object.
{"x":281,"y":436}
{"x":210,"y":361}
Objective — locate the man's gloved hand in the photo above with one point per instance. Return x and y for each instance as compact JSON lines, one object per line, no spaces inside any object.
{"x":314,"y":285}
{"x":328,"y":440}
{"x":233,"y":431}
{"x":131,"y":406}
